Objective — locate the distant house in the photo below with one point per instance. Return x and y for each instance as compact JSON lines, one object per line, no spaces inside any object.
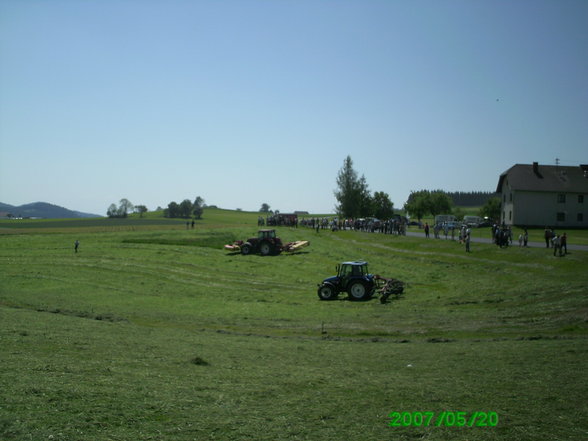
{"x":544,"y":195}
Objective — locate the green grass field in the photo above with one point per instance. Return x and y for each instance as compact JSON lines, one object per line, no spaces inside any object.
{"x":154,"y":332}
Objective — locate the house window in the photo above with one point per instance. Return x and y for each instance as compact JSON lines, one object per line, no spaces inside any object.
{"x":580,"y":217}
{"x":561,"y":217}
{"x":561,"y":198}
{"x":510,"y":215}
{"x":510,"y":197}
{"x":580,"y":199}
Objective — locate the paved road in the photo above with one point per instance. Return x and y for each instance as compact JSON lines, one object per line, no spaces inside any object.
{"x":571,"y":246}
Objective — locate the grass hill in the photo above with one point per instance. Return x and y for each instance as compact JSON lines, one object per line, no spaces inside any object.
{"x":153,"y":331}
{"x":43,"y":210}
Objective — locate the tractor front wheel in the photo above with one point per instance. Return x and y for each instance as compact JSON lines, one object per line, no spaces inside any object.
{"x":245,"y":249}
{"x":358,"y":291}
{"x":327,"y":292}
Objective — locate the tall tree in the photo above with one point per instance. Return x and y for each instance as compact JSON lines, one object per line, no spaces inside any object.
{"x":366,"y":203}
{"x":265,"y":208}
{"x":352,"y":192}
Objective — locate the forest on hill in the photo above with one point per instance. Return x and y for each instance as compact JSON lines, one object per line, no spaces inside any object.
{"x":470,"y":199}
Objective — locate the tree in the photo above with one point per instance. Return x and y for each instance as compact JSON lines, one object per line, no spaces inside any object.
{"x":366,"y":203}
{"x":424,"y":202}
{"x":141,"y":209}
{"x":124,"y":207}
{"x":172,"y":210}
{"x":112,"y":211}
{"x":265,"y":208}
{"x":352,"y":193}
{"x":491,"y":209}
{"x":440,"y":203}
{"x":185,"y":208}
{"x":418,"y":203}
{"x":122,"y":210}
{"x":198,"y":207}
{"x":382,"y":205}
{"x":459,"y":213}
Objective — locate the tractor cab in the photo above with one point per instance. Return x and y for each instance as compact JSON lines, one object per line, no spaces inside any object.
{"x":352,"y":269}
{"x":266,"y":234}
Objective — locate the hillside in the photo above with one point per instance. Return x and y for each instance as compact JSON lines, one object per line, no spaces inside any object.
{"x":43,"y":210}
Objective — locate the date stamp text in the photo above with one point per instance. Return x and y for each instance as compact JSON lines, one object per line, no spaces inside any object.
{"x":444,"y":419}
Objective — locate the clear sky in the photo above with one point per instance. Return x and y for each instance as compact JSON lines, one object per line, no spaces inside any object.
{"x":260,"y":101}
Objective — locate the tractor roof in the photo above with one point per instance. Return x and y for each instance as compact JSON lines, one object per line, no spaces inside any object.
{"x":356,"y":262}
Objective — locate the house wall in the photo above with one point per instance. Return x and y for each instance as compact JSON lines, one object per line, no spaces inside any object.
{"x":507,"y":204}
{"x":546,"y":209}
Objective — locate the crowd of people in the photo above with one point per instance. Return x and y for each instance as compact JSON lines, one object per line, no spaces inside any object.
{"x":502,"y":235}
{"x":371,"y":225}
{"x":559,"y":242}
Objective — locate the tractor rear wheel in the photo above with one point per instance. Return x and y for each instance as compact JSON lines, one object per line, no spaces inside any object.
{"x":358,"y":291}
{"x":265,"y":248}
{"x":327,"y":292}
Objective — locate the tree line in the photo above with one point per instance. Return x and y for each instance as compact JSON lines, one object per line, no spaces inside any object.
{"x":356,"y":201}
{"x":185,"y":209}
{"x":470,"y":199}
{"x":423,"y":202}
{"x":124,"y":208}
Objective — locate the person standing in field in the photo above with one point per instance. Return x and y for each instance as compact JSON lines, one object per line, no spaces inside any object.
{"x":426,"y":229}
{"x":76,"y":245}
{"x":556,"y":244}
{"x":467,"y":240}
{"x":563,"y":243}
{"x":547,"y":236}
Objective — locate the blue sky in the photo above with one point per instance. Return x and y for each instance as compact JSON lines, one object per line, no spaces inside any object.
{"x":250,"y":102}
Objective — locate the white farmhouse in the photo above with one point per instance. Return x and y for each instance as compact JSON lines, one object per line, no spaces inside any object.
{"x":544,"y":195}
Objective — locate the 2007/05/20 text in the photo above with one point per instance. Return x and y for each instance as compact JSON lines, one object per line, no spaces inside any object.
{"x":445,"y":418}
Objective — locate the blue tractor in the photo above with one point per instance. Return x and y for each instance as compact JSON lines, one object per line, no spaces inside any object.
{"x":355,"y":279}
